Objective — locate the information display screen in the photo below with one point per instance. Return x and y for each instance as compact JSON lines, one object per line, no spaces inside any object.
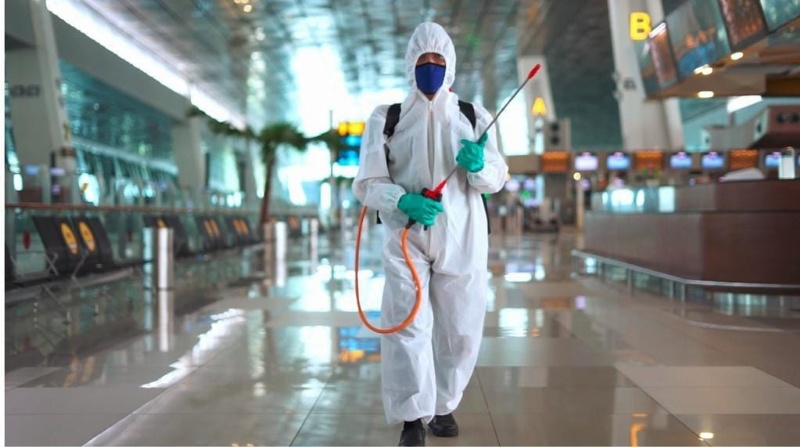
{"x":772,"y":160}
{"x":529,"y":184}
{"x":780,"y":12}
{"x":697,"y":34}
{"x":742,"y":159}
{"x":744,"y":22}
{"x":618,"y":161}
{"x":586,"y":161}
{"x":512,"y":185}
{"x":712,"y":160}
{"x":647,"y":68}
{"x":648,"y":160}
{"x":661,"y":53}
{"x":555,"y":162}
{"x":681,"y":160}
{"x":348,"y":157}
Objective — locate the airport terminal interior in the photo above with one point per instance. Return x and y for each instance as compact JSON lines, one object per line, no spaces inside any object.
{"x":184,"y":248}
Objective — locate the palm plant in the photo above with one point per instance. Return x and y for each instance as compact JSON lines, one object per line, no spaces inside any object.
{"x":271,"y":138}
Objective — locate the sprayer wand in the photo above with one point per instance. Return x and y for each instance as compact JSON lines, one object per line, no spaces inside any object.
{"x":436,"y":193}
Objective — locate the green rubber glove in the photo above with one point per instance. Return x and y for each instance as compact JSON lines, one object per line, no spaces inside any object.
{"x":470,"y":156}
{"x":420,"y":208}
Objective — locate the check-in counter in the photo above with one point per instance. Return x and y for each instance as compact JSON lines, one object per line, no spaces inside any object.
{"x":743,"y":232}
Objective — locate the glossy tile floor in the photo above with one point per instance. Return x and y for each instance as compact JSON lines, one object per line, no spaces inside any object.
{"x":564,"y":361}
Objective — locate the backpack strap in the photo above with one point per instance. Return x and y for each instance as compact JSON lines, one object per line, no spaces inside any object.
{"x":468,"y":110}
{"x":392,"y":118}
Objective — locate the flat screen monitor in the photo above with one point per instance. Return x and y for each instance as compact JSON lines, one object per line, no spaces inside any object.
{"x":30,"y":169}
{"x":555,"y":162}
{"x":780,"y":12}
{"x":618,"y":161}
{"x":647,"y":68}
{"x":744,"y":22}
{"x":586,"y":161}
{"x":681,"y":160}
{"x":772,"y":160}
{"x":512,"y":185}
{"x":697,"y":34}
{"x":712,"y":160}
{"x":348,"y":157}
{"x":661,"y":53}
{"x":529,"y":184}
{"x":352,"y":140}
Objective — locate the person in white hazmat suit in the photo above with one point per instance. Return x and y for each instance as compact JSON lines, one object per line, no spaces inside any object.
{"x":426,"y":366}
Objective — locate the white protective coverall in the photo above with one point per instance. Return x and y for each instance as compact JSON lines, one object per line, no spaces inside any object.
{"x":426,"y":366}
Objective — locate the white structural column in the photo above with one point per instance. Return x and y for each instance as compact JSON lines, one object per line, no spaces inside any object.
{"x":189,"y":155}
{"x":41,"y":128}
{"x":538,"y":87}
{"x":646,"y":124}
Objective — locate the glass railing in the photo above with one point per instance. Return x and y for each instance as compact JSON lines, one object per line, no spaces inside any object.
{"x":658,"y":199}
{"x":123,"y":226}
{"x":41,"y":184}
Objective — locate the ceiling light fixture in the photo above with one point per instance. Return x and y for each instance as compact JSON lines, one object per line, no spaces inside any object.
{"x":705,"y":94}
{"x":736,"y":56}
{"x":740,"y":102}
{"x":706,"y":70}
{"x":248,"y":8}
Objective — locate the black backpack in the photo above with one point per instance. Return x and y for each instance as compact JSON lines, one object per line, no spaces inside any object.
{"x":466,"y":108}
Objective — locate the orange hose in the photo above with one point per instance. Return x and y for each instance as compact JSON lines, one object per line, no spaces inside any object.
{"x":414,"y":274}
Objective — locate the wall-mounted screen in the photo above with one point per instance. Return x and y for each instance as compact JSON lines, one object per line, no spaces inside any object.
{"x":742,"y":159}
{"x":618,"y":161}
{"x":512,"y":185}
{"x":712,"y":160}
{"x":529,"y":184}
{"x":348,"y":157}
{"x":648,"y":160}
{"x":555,"y":162}
{"x":772,"y":160}
{"x":663,"y":59}
{"x":681,"y":160}
{"x":697,"y":34}
{"x":780,"y":12}
{"x":586,"y":161}
{"x":647,"y":68}
{"x":744,"y":22}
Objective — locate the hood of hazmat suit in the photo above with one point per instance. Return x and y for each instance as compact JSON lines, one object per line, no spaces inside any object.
{"x":451,"y":256}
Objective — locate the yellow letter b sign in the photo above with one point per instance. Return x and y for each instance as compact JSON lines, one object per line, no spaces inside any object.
{"x":640,"y":25}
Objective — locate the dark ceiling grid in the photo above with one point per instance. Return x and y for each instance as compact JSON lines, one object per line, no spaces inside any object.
{"x":196,"y":43}
{"x":279,"y":54}
{"x":504,"y":70}
{"x":533,"y":27}
{"x":215,"y":39}
{"x":580,"y":63}
{"x":467,"y":49}
{"x":344,"y":35}
{"x":369,"y":43}
{"x":399,"y":36}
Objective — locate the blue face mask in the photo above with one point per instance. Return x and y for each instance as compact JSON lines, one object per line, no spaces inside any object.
{"x":429,"y":77}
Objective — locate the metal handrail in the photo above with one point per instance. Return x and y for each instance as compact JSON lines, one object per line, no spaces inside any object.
{"x":122,"y":208}
{"x":685,"y":281}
